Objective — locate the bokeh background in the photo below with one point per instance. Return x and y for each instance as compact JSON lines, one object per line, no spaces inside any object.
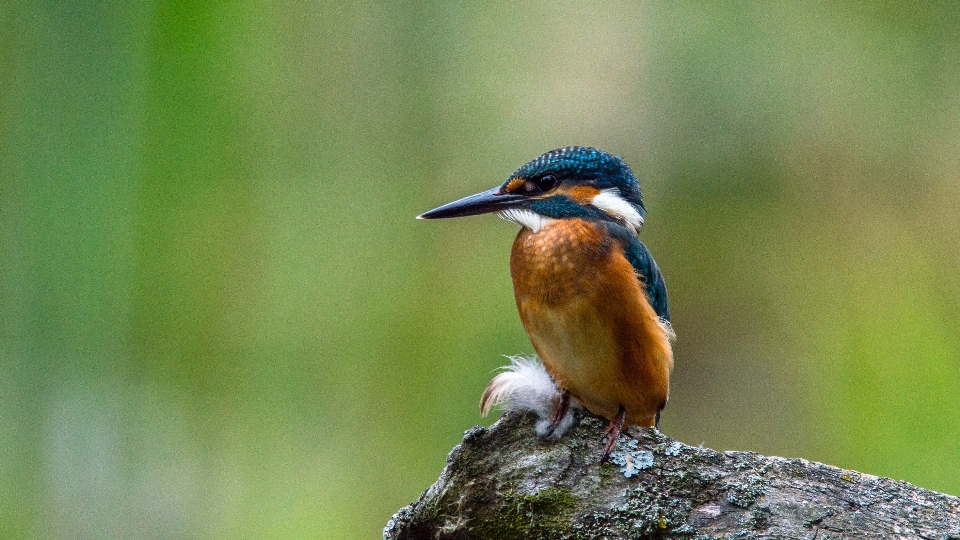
{"x":220,"y":319}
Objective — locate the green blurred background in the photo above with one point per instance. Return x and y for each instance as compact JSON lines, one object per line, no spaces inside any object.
{"x":220,"y":319}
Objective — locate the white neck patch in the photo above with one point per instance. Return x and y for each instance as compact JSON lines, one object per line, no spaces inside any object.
{"x":610,"y":201}
{"x":525,"y":218}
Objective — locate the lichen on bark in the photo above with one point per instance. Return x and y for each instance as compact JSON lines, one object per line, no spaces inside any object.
{"x":505,"y":482}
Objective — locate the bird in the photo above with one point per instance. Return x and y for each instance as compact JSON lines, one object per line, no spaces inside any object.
{"x":590,"y":296}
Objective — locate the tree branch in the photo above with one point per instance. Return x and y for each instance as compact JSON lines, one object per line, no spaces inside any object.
{"x":505,"y":482}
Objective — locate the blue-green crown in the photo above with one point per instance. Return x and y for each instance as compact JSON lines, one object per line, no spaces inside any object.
{"x":590,"y":166}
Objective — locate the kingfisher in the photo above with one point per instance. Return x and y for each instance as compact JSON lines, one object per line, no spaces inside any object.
{"x":590,"y":295}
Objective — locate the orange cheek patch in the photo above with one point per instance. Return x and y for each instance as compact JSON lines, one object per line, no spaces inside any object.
{"x":514,"y":184}
{"x":581,"y":194}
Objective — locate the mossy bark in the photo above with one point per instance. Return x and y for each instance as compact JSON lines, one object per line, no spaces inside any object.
{"x":505,"y":482}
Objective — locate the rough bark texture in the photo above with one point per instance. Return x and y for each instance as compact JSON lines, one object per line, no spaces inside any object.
{"x":505,"y":482}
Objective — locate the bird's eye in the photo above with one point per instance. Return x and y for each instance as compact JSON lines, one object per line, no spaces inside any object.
{"x":546,"y":182}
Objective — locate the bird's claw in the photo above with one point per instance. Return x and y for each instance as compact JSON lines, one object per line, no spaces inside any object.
{"x":559,"y":412}
{"x":613,"y":434}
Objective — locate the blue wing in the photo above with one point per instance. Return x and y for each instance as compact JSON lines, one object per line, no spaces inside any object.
{"x":647,"y":269}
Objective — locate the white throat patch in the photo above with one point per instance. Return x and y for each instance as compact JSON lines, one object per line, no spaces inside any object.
{"x":525,"y":218}
{"x":610,"y":201}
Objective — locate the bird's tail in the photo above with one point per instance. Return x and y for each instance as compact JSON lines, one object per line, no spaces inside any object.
{"x":525,"y":385}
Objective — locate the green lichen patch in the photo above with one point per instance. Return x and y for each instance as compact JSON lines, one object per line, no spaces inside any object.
{"x":544,"y":514}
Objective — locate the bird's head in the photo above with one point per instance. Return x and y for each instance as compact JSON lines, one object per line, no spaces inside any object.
{"x":568,"y":182}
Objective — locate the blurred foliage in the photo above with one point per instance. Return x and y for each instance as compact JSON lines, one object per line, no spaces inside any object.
{"x":220,"y":319}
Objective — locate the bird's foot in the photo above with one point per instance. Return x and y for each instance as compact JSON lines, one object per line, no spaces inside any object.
{"x":560,"y":410}
{"x":613,"y":433}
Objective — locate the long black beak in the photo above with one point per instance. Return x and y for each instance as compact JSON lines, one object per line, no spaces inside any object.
{"x":481,"y":203}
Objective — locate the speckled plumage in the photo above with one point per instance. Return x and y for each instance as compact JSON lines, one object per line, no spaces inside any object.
{"x":602,"y":169}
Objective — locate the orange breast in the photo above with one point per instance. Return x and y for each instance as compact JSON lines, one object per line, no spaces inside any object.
{"x":589,"y":320}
